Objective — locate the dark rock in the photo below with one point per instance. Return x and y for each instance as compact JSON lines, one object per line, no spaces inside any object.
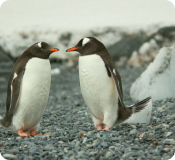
{"x":3,"y":56}
{"x":126,"y":46}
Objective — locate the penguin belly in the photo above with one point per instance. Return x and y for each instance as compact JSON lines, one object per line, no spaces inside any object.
{"x":34,"y":94}
{"x":98,"y":90}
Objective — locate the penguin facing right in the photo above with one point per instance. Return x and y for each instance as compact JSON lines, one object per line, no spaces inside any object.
{"x":28,"y":90}
{"x":101,"y":85}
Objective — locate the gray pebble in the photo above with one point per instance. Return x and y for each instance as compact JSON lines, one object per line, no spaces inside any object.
{"x":10,"y":156}
{"x":104,"y":144}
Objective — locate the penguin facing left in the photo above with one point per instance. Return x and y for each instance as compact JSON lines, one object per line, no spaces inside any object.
{"x":28,"y":90}
{"x":101,"y":85}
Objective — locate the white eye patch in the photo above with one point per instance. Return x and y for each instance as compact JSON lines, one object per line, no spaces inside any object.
{"x":85,"y":40}
{"x":39,"y":44}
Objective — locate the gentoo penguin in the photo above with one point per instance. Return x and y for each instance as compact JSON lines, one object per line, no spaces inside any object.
{"x":101,"y":85}
{"x":28,"y":90}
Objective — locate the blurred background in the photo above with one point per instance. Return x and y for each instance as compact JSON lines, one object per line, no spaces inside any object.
{"x":123,"y":26}
{"x":133,"y":31}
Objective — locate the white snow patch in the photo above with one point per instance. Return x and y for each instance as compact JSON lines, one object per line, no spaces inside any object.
{"x":148,"y":47}
{"x":143,"y":116}
{"x":144,"y":48}
{"x":55,"y":71}
{"x":17,"y":41}
{"x":158,"y":79}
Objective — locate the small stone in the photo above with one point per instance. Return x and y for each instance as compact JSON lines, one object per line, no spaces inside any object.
{"x":104,"y":144}
{"x":112,"y":147}
{"x":54,"y":151}
{"x":98,"y":135}
{"x":33,"y":149}
{"x":18,"y":137}
{"x":77,"y":144}
{"x":61,"y":154}
{"x":96,"y":144}
{"x":165,"y":126}
{"x":90,"y":133}
{"x":65,"y":150}
{"x":133,"y":132}
{"x":13,"y":150}
{"x":10,"y":156}
{"x":168,"y":134}
{"x":166,"y":149}
{"x":84,"y":140}
{"x":47,"y":134}
{"x":89,"y":146}
{"x":133,"y":126}
{"x":108,"y":154}
{"x":169,"y":141}
{"x":48,"y":148}
{"x":115,"y":139}
{"x":92,"y":153}
{"x":81,"y":152}
{"x":64,"y":139}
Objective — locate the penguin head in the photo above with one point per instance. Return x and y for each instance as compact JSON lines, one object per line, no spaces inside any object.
{"x":41,"y":50}
{"x":87,"y":46}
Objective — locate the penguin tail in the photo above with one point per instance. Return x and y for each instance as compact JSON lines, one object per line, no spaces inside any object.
{"x":140,"y":105}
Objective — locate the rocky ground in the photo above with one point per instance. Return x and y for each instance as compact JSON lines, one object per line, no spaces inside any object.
{"x":70,"y":134}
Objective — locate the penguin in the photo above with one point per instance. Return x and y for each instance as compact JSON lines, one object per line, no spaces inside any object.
{"x":28,"y":90}
{"x":101,"y":85}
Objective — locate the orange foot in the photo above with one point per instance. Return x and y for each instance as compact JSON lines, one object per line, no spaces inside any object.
{"x":32,"y":133}
{"x":106,"y":127}
{"x":21,"y":133}
{"x":100,"y":127}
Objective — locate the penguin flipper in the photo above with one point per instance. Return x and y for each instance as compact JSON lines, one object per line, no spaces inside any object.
{"x":15,"y":92}
{"x":118,"y":84}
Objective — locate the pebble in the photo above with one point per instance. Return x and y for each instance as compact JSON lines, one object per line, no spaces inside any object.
{"x":66,"y":116}
{"x":13,"y":150}
{"x":10,"y":156}
{"x":89,"y":146}
{"x":77,"y":144}
{"x":104,"y":144}
{"x":169,"y":141}
{"x":133,"y":132}
{"x":90,"y":133}
{"x":65,"y":150}
{"x":84,"y":140}
{"x":108,"y":154}
{"x":168,"y":134}
{"x":33,"y":149}
{"x":133,"y":126}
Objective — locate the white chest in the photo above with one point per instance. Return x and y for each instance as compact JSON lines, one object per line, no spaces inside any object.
{"x":97,"y":87}
{"x":35,"y":89}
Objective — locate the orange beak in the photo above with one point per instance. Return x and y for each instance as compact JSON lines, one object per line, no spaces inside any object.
{"x":71,"y":49}
{"x":53,"y":49}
